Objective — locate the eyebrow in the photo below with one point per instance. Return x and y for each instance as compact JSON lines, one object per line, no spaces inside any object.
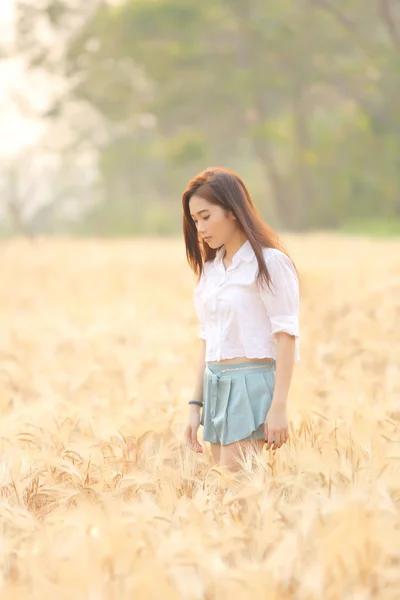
{"x":201,"y":211}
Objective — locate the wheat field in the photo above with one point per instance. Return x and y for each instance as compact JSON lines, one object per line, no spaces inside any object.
{"x":100,"y":498}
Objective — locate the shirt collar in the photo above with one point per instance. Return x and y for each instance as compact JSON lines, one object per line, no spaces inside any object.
{"x":245,"y":253}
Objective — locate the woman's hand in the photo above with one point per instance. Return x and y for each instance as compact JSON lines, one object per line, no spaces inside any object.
{"x":276,"y":426}
{"x":191,"y":430}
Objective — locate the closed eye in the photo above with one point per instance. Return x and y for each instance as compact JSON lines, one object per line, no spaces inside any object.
{"x":205,"y":219}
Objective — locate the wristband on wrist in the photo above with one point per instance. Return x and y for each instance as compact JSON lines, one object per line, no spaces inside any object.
{"x":196,"y":402}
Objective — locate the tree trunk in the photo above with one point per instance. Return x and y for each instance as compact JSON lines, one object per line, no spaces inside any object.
{"x":282,"y":203}
{"x":305,"y":196}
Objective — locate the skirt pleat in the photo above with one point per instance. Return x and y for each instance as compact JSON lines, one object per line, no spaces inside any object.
{"x":236,"y":401}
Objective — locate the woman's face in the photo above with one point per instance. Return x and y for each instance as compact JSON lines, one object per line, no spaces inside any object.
{"x":213,"y":223}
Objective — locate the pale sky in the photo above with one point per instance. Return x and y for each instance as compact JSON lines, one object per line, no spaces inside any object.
{"x":16,"y":131}
{"x":6,"y":11}
{"x":24,"y":139}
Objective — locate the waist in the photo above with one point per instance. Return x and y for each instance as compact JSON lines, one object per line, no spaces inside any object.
{"x":219,"y":367}
{"x":241,"y":360}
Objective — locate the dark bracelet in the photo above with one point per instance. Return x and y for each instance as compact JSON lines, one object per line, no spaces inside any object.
{"x":196,"y":402}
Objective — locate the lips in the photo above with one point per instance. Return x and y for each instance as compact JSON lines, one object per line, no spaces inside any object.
{"x":207,"y":238}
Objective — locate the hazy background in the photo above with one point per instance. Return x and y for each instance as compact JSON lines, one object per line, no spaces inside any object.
{"x":105,"y":112}
{"x":108,"y":108}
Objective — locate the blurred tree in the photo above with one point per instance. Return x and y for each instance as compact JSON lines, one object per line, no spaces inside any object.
{"x":309,"y":88}
{"x":39,"y":192}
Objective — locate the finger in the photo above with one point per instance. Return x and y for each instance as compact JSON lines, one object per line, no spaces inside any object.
{"x":186,"y":435}
{"x":193,"y":436}
{"x":266,"y":432}
{"x":275,"y":439}
{"x":196,"y":446}
{"x":196,"y":443}
{"x":270,"y":440}
{"x":278,"y":439}
{"x":188,"y":438}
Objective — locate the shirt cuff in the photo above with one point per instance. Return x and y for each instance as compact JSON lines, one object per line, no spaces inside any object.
{"x":288,"y":324}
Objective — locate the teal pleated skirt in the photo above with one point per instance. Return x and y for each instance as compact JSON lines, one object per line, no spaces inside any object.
{"x":237,"y":398}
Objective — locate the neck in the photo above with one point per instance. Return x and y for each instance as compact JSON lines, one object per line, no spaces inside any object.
{"x":233,"y":245}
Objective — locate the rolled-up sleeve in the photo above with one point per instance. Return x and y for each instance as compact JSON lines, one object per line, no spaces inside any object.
{"x":281,"y":299}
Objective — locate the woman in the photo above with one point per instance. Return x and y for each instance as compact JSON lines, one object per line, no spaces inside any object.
{"x":247,"y":302}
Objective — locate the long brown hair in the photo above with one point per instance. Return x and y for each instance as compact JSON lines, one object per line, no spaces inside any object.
{"x":225,"y":188}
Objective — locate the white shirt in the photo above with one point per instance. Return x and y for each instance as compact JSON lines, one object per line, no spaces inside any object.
{"x":237,"y":317}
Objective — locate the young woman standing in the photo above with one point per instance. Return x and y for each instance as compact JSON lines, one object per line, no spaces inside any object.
{"x":247,"y":302}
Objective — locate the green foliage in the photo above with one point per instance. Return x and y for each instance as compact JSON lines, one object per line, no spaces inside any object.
{"x":308,"y":92}
{"x":159,"y":220}
{"x":187,"y":148}
{"x":373,"y":227}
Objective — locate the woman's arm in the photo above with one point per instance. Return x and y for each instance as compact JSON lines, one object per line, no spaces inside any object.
{"x":194,"y":411}
{"x":276,"y":423}
{"x":282,"y":303}
{"x":198,"y":388}
{"x":285,"y":358}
